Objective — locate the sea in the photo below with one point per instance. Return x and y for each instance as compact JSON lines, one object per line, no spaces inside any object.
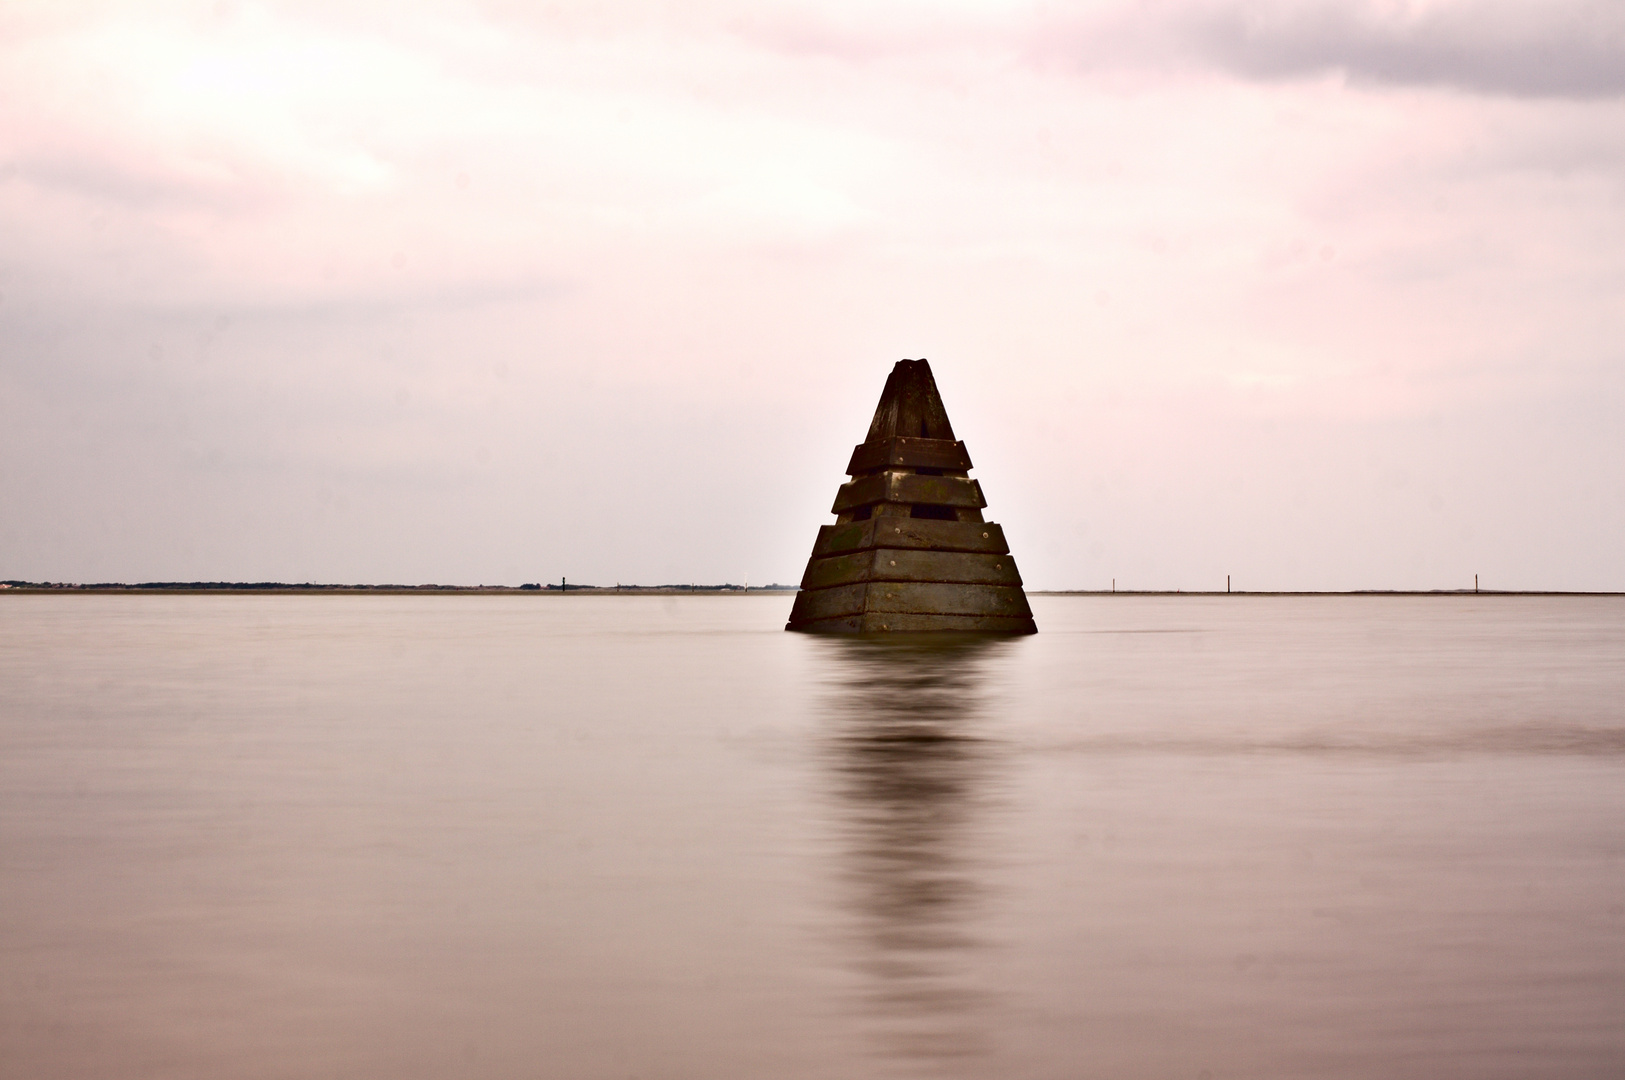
{"x":522,"y":836}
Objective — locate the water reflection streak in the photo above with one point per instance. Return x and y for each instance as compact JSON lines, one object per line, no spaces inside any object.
{"x":914,"y":772}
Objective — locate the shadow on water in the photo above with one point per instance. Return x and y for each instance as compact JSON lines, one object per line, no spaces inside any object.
{"x":913,"y":771}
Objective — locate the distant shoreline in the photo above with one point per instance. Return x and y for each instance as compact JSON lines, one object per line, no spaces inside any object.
{"x":225,"y":588}
{"x":1320,"y":592}
{"x":228,"y":588}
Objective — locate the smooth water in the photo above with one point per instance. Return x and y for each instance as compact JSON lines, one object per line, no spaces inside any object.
{"x":581,"y":837}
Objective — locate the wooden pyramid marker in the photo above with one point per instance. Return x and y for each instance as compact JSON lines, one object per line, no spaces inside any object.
{"x":909,"y":550}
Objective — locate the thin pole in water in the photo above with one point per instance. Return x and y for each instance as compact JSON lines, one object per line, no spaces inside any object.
{"x":1475,"y":582}
{"x":1227,"y":583}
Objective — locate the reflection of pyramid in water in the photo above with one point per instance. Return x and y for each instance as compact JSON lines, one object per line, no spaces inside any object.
{"x":909,"y":550}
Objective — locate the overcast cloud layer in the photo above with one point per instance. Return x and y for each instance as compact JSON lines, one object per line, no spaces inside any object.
{"x":1568,"y":48}
{"x":1318,"y":295}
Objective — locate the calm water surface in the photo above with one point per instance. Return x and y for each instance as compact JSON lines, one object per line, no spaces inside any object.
{"x":345,"y":836}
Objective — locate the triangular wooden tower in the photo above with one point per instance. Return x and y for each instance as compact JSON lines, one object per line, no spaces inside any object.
{"x":909,"y":550}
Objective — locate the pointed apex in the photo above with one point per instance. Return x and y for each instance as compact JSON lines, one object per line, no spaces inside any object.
{"x":910,"y":405}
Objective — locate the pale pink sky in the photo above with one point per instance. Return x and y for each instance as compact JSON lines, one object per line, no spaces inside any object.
{"x":1319,"y":295}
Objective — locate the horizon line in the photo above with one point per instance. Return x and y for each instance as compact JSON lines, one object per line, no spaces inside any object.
{"x":34,"y":587}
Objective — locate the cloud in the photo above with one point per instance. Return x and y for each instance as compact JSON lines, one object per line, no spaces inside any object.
{"x":1522,"y":48}
{"x":1574,"y":49}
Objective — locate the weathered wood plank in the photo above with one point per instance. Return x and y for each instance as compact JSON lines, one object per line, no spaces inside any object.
{"x":914,"y":453}
{"x":985,"y":624}
{"x":904,"y":532}
{"x":899,"y":487}
{"x":901,"y":564}
{"x":940,"y":599}
{"x":919,"y":624}
{"x":828,"y":603}
{"x":845,"y":624}
{"x":848,"y":569}
{"x":916,"y":598}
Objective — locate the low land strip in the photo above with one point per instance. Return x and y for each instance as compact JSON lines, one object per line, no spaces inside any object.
{"x":229,"y":587}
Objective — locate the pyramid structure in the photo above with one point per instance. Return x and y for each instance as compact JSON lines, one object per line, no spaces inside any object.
{"x":909,"y":550}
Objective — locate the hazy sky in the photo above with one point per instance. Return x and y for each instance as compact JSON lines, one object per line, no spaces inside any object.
{"x":1317,"y":294}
